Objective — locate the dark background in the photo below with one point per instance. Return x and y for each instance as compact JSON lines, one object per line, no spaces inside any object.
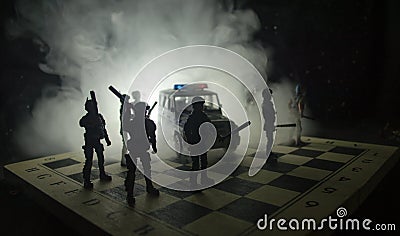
{"x":344,"y":52}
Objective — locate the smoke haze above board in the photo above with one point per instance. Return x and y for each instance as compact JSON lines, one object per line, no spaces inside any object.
{"x":93,"y":44}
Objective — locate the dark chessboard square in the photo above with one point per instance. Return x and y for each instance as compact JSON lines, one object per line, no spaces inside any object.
{"x":138,"y":174}
{"x":248,"y":209}
{"x":240,"y":170}
{"x":238,"y":186}
{"x":119,"y":193}
{"x":280,"y":167}
{"x":276,"y":155}
{"x":324,"y":164}
{"x":184,"y":167}
{"x":77,"y":177}
{"x":228,"y":166}
{"x":61,"y":163}
{"x":293,"y":183}
{"x":180,"y":213}
{"x":272,"y":154}
{"x":175,"y":193}
{"x":177,"y":174}
{"x":94,"y":174}
{"x":306,"y":153}
{"x":348,"y":150}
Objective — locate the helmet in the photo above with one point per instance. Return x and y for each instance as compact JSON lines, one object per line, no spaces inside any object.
{"x":136,"y":95}
{"x":198,"y":99}
{"x":89,"y":105}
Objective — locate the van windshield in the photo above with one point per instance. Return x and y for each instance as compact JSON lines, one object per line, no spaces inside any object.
{"x":211,"y":104}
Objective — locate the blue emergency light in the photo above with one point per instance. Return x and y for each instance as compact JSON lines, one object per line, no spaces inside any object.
{"x":190,"y":86}
{"x":178,"y":86}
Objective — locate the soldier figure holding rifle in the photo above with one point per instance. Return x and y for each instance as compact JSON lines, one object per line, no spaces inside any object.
{"x":95,"y":130}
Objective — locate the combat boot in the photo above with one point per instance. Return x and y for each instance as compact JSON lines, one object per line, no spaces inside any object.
{"x":150,"y":188}
{"x":105,"y":177}
{"x":131,"y":201}
{"x":88,"y":185}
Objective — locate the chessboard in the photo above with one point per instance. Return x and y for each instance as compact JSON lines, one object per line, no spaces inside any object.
{"x":309,"y":181}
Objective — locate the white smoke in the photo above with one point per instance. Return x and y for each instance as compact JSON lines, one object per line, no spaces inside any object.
{"x":94,"y":44}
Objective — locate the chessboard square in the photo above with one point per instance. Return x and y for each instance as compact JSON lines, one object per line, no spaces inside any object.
{"x":324,"y":164}
{"x":180,"y":213}
{"x":227,"y":225}
{"x":184,"y":168}
{"x":216,"y":176}
{"x":250,"y":151}
{"x":240,"y":170}
{"x":148,"y":203}
{"x":115,"y":168}
{"x":310,"y":173}
{"x":247,"y":160}
{"x":212,"y":198}
{"x":61,"y":163}
{"x":159,"y":166}
{"x":248,"y":209}
{"x":77,"y":177}
{"x":280,"y":167}
{"x":111,"y":161}
{"x":294,"y":159}
{"x":293,"y":183}
{"x":319,"y":147}
{"x":103,"y":185}
{"x":283,"y":149}
{"x":179,"y":174}
{"x":273,"y":195}
{"x":71,"y":169}
{"x":306,"y":152}
{"x":165,"y":179}
{"x":228,"y":166}
{"x":238,"y":186}
{"x":181,"y":184}
{"x":138,"y":175}
{"x":94,"y":174}
{"x":262,"y":177}
{"x":172,"y":163}
{"x":119,"y":193}
{"x":348,"y":150}
{"x":338,"y":157}
{"x":175,"y":193}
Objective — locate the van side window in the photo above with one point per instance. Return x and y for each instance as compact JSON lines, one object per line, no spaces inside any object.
{"x":162,"y":101}
{"x":171,"y":103}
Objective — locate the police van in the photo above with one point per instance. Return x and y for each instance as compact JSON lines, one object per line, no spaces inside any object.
{"x":175,"y":108}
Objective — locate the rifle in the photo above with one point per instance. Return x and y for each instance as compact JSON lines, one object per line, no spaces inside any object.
{"x":244,"y":125}
{"x":117,"y":93}
{"x":285,"y":125}
{"x":151,"y":109}
{"x":96,"y":110}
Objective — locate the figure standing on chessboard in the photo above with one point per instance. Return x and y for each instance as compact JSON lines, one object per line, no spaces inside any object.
{"x":267,"y":109}
{"x":296,"y":107}
{"x":141,"y":130}
{"x":127,"y":110}
{"x":192,"y":136}
{"x":95,"y":130}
